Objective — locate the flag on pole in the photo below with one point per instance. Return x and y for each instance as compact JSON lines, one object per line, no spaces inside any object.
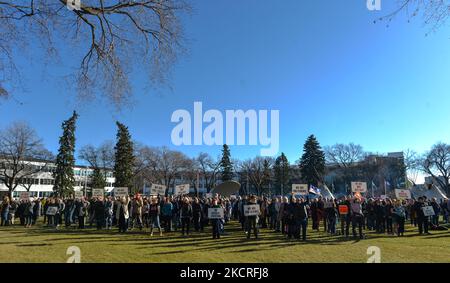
{"x":314,"y":190}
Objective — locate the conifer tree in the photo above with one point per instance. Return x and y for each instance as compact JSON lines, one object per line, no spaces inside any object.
{"x":281,"y":171}
{"x":312,"y":162}
{"x":124,"y":158}
{"x":65,"y":160}
{"x":226,"y":164}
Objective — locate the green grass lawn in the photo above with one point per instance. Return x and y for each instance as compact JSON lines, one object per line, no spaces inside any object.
{"x":39,"y":244}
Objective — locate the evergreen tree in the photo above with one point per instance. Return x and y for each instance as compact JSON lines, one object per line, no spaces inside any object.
{"x":281,"y":170}
{"x":267,"y":176}
{"x":124,"y":158}
{"x":65,"y":160}
{"x":98,"y":179}
{"x":312,"y":163}
{"x":226,"y":165}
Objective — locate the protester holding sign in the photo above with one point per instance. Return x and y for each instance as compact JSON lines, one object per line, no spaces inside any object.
{"x":357,"y":217}
{"x":216,"y":218}
{"x":399,"y":216}
{"x":251,"y":212}
{"x":422,"y":220}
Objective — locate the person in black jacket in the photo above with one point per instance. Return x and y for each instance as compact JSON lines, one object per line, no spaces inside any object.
{"x":186,"y":216}
{"x":301,"y":218}
{"x":380,"y":217}
{"x":252,"y":221}
{"x":99,"y":212}
{"x":422,"y":220}
{"x":197,"y":211}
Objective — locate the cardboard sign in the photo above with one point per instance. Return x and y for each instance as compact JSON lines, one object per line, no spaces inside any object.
{"x":96,"y":193}
{"x":52,"y":210}
{"x":182,"y":189}
{"x":78,"y":194}
{"x":343,"y":209}
{"x":359,"y":187}
{"x":300,"y":189}
{"x":328,"y":204}
{"x":158,"y":189}
{"x":215,"y":213}
{"x":121,"y":192}
{"x":428,"y":211}
{"x":403,"y":194}
{"x":24,"y":195}
{"x":251,"y":210}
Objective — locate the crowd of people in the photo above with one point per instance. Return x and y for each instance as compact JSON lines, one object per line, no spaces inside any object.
{"x":287,"y":215}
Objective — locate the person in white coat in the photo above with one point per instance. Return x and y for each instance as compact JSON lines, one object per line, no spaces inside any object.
{"x":122,"y":214}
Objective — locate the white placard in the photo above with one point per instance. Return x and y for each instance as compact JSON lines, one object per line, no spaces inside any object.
{"x":251,"y":210}
{"x":428,"y":211}
{"x":403,"y":194}
{"x":208,"y":195}
{"x":24,"y":195}
{"x":158,"y":189}
{"x":359,"y":187}
{"x":52,"y":210}
{"x":215,"y":213}
{"x":96,"y":193}
{"x":121,"y":192}
{"x":182,"y":189}
{"x":300,"y":189}
{"x":233,"y":197}
{"x":78,"y":194}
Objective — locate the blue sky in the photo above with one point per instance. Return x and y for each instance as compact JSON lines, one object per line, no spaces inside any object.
{"x":324,"y":65}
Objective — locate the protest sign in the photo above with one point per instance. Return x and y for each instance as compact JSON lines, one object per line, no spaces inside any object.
{"x":383,"y":197}
{"x":300,"y":189}
{"x":359,"y":187}
{"x":182,"y":189}
{"x":78,"y":194}
{"x":403,"y":194}
{"x":208,"y":195}
{"x":215,"y":213}
{"x":428,"y":211}
{"x":158,"y":190}
{"x":52,"y":210}
{"x":343,"y":209}
{"x":251,"y":210}
{"x":96,"y":193}
{"x":24,"y":196}
{"x":121,"y":192}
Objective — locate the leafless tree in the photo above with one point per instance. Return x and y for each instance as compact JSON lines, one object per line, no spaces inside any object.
{"x":162,"y":165}
{"x":344,"y":155}
{"x":412,"y":165}
{"x":101,"y":157}
{"x":107,"y":38}
{"x":209,"y":169}
{"x":256,"y":172}
{"x":437,"y":164}
{"x":19,"y":148}
{"x":434,"y":13}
